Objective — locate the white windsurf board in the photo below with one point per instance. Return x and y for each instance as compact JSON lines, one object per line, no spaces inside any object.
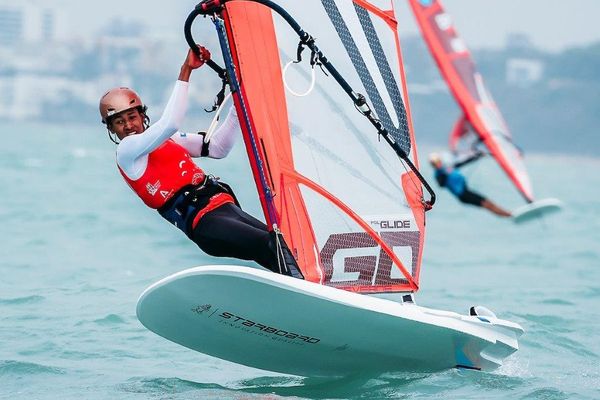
{"x":536,"y":209}
{"x":278,"y":323}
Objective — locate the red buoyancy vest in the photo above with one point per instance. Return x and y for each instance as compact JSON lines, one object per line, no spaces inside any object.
{"x":169,"y":168}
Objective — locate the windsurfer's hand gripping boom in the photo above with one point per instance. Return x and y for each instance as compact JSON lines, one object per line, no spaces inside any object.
{"x":194,"y":60}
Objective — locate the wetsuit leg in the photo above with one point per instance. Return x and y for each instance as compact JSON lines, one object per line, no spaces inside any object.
{"x":470,"y":197}
{"x":224,"y":232}
{"x":230,"y":232}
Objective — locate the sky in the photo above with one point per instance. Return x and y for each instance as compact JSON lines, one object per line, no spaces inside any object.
{"x":550,"y":24}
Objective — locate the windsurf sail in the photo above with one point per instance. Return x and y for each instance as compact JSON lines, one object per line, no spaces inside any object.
{"x":481,"y":116}
{"x":344,"y":189}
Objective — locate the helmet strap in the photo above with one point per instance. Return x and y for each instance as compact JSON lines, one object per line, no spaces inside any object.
{"x":145,"y":117}
{"x":112,"y":136}
{"x":146,"y":121}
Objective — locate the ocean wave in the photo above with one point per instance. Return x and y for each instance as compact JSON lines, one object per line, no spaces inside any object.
{"x":160,"y":386}
{"x":13,"y":367}
{"x":547,"y":394}
{"x":557,"y":301}
{"x":111,"y":319}
{"x":23,"y":300}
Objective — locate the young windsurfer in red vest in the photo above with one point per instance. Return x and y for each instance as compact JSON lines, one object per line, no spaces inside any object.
{"x":156,"y":162}
{"x":450,"y":178}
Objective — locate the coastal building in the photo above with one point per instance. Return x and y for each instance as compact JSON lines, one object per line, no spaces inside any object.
{"x":30,"y":21}
{"x":524,"y":72}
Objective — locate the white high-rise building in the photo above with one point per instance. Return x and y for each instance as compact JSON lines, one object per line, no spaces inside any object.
{"x":31,"y":21}
{"x":524,"y":72}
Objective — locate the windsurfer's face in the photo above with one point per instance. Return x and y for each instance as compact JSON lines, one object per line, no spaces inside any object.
{"x":437,"y":164}
{"x":129,"y":122}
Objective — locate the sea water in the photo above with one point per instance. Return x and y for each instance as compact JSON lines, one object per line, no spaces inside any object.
{"x":78,"y":247}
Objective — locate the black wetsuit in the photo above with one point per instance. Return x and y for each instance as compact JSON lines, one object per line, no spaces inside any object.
{"x":228,"y":231}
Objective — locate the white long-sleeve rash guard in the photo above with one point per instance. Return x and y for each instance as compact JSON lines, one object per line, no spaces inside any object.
{"x":132,"y":152}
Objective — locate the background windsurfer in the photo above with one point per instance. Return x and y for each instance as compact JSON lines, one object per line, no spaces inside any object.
{"x":450,"y":178}
{"x":155,"y":161}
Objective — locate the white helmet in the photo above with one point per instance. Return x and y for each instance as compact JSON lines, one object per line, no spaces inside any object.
{"x":435,"y":158}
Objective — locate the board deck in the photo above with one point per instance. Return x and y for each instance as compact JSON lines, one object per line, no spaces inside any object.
{"x":537,"y":209}
{"x":277,"y":323}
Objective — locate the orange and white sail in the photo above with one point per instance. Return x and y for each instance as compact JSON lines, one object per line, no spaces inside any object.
{"x":351,"y":212}
{"x":481,"y":114}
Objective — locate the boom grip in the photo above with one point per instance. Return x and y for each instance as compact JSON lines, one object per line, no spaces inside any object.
{"x":187,"y":31}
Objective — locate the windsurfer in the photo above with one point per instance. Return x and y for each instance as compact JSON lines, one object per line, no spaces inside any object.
{"x":155,"y":161}
{"x":450,"y":178}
